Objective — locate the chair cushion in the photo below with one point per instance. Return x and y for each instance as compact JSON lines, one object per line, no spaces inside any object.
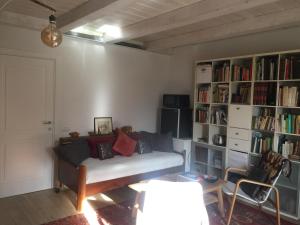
{"x":105,"y":150}
{"x":74,"y":152}
{"x":255,"y":174}
{"x":94,"y":140}
{"x":143,"y":147}
{"x":124,"y":144}
{"x":163,"y":142}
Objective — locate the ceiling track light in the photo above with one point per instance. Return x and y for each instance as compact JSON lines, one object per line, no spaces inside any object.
{"x":50,"y":35}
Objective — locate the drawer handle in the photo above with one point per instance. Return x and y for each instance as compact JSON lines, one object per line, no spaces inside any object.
{"x":237,"y":108}
{"x":237,"y":133}
{"x":236,"y":144}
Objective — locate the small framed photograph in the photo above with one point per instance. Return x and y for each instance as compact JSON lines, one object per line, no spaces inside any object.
{"x":103,"y":125}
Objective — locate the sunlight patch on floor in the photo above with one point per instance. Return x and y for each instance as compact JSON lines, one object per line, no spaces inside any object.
{"x":89,"y":213}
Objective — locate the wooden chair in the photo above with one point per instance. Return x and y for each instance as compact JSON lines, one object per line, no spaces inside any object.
{"x":275,"y":165}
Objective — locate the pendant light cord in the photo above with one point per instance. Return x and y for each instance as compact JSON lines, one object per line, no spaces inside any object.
{"x":43,"y":5}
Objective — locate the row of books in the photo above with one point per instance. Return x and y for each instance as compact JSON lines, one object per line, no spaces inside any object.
{"x":242,"y":72}
{"x":222,"y":73}
{"x":261,"y":144}
{"x":243,"y":94}
{"x":221,"y":93}
{"x":202,"y":114}
{"x":288,"y":96}
{"x":265,"y":94}
{"x":203,"y":94}
{"x":266,"y":123}
{"x":290,"y":68}
{"x":219,"y":116}
{"x":288,"y":147}
{"x":266,"y":69}
{"x":288,"y":123}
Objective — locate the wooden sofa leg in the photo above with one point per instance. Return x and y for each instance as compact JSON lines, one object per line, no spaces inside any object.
{"x":81,"y":187}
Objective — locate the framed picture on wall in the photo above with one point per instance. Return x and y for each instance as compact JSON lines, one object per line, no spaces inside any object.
{"x":103,"y":125}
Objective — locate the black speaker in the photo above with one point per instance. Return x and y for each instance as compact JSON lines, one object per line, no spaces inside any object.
{"x":177,"y":121}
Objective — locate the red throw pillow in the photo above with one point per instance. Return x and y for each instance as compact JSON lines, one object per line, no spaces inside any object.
{"x":124,"y":145}
{"x":94,"y":140}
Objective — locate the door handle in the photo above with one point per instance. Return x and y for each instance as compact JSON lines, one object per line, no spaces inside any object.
{"x":47,"y":122}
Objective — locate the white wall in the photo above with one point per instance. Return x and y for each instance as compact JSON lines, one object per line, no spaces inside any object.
{"x":95,"y":80}
{"x":182,"y":59}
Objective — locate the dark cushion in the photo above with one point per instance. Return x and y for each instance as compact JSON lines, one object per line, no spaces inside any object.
{"x":255,"y":174}
{"x":74,"y":152}
{"x":94,"y":140}
{"x":105,"y":150}
{"x":124,"y":144}
{"x":158,"y":142}
{"x":143,"y":147}
{"x":163,"y":143}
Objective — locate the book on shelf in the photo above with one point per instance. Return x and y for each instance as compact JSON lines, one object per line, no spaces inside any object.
{"x":242,"y":72}
{"x":261,"y":143}
{"x":265,"y":120}
{"x":266,"y":69}
{"x":290,"y":68}
{"x":243,"y":94}
{"x":219,"y":116}
{"x":288,"y":96}
{"x":288,"y":147}
{"x":288,"y":123}
{"x":202,"y":114}
{"x":264,"y":94}
{"x":204,"y":94}
{"x":221,"y":93}
{"x":222,"y":73}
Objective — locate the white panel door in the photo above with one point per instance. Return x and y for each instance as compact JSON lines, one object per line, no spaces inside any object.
{"x":26,"y":120}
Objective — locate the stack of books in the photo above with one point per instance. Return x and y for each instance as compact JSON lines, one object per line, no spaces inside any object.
{"x":203,"y":115}
{"x":264,"y":121}
{"x":203,"y":94}
{"x":222,"y":73}
{"x":266,"y":69}
{"x":242,"y":72}
{"x":219,"y":117}
{"x":290,"y":68}
{"x":221,"y":93}
{"x":264,"y":94}
{"x":261,"y":144}
{"x":243,"y":94}
{"x":288,"y":96}
{"x":288,"y":147}
{"x":288,"y":123}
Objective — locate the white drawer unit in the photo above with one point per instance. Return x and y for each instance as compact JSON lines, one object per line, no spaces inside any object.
{"x":240,"y":116}
{"x":237,"y":133}
{"x":239,"y":145}
{"x":237,"y":159}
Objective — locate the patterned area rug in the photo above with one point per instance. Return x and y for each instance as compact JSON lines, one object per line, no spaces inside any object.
{"x":121,"y":215}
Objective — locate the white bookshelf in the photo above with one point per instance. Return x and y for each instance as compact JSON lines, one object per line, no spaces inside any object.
{"x":241,"y":113}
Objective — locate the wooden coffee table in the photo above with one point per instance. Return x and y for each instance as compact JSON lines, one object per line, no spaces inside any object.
{"x":212,"y":192}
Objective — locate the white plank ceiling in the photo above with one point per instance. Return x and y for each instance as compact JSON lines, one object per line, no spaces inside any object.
{"x":160,"y":24}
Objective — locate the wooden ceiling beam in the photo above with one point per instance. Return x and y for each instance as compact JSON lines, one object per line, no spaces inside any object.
{"x":191,"y":14}
{"x":4,"y":3}
{"x":272,"y":21}
{"x":89,"y":11}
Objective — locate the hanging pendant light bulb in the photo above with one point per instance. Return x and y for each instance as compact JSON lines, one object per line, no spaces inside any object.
{"x":50,"y":35}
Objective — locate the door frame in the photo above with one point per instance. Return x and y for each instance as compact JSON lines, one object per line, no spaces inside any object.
{"x":28,"y":54}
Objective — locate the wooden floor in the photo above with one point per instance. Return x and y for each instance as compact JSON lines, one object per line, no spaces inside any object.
{"x":45,"y":206}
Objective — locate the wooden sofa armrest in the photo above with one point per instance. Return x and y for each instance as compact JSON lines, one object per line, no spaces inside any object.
{"x":236,"y":170}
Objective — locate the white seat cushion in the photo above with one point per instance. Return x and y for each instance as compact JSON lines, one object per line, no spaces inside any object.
{"x":121,"y":166}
